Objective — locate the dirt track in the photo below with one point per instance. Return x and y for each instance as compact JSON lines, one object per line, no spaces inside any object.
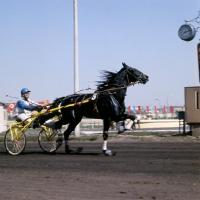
{"x":140,"y":170}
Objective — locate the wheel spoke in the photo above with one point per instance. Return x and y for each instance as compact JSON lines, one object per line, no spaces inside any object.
{"x":15,"y":141}
{"x":47,"y":139}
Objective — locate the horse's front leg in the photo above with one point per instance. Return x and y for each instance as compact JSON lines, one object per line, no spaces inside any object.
{"x":67,"y":132}
{"x":106,"y":126}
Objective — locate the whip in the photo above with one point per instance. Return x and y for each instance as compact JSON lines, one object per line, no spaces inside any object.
{"x":12,"y":97}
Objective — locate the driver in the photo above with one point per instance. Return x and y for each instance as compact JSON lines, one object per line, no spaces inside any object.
{"x":25,"y":106}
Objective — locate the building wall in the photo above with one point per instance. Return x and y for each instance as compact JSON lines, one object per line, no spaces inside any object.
{"x":3,"y":119}
{"x":192,"y":104}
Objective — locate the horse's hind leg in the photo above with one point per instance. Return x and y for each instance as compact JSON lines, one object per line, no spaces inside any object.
{"x":71,"y":127}
{"x":127,"y":116}
{"x":124,"y":117}
{"x":57,"y":126}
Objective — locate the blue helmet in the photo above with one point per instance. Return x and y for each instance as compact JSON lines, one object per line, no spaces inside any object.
{"x":24,"y":90}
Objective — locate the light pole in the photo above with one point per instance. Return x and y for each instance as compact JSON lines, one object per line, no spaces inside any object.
{"x":76,"y":78}
{"x":159,"y":104}
{"x":167,"y":103}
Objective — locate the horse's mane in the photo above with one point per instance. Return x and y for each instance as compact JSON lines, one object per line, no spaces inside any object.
{"x":56,"y":102}
{"x":107,"y":79}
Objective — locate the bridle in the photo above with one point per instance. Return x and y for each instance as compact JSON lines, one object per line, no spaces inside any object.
{"x":124,"y":86}
{"x":139,"y":78}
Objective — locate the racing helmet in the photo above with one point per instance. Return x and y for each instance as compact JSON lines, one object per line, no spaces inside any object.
{"x":24,"y":90}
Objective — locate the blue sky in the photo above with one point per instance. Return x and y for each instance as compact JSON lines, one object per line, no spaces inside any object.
{"x":37,"y":47}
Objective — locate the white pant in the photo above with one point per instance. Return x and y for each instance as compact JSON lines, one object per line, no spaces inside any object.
{"x":24,"y":116}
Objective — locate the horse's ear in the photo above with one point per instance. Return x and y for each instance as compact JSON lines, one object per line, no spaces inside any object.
{"x":124,"y":65}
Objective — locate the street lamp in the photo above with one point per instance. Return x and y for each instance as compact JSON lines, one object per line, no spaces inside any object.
{"x":159,"y":104}
{"x":167,"y":103}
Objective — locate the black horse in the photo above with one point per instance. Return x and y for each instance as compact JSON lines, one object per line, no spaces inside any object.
{"x":107,"y":105}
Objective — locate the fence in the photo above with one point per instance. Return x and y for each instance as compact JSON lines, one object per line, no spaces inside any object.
{"x":149,"y":120}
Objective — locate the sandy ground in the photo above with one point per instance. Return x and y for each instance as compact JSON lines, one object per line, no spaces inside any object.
{"x":161,"y":168}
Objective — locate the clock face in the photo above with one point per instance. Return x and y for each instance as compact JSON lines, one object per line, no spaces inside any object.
{"x":186,"y":32}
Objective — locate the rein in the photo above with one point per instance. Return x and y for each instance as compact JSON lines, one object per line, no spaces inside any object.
{"x":107,"y":90}
{"x":121,"y":87}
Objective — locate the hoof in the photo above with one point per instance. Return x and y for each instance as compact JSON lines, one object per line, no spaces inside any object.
{"x":70,"y":151}
{"x":52,"y":153}
{"x":79,"y":149}
{"x":121,"y":129}
{"x":108,"y":152}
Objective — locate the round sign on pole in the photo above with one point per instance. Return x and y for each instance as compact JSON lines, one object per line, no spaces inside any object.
{"x":186,"y":32}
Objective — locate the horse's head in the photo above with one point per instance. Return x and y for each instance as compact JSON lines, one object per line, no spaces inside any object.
{"x":134,"y":75}
{"x":125,"y":77}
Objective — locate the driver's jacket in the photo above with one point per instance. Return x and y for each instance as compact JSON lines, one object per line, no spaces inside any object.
{"x":23,"y":106}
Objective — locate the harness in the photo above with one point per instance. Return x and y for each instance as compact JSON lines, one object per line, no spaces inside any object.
{"x":108,"y":92}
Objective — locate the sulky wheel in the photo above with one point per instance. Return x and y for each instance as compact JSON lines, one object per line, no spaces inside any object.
{"x":15,"y":141}
{"x":47,"y":139}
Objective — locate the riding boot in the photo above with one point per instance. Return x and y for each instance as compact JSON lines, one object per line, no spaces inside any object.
{"x":60,"y":134}
{"x":50,"y":123}
{"x":35,"y":125}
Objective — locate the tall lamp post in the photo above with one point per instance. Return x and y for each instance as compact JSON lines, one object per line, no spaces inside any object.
{"x":159,"y":104}
{"x":76,"y":78}
{"x":167,"y":103}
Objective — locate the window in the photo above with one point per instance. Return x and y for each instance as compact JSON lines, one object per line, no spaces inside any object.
{"x":196,"y":100}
